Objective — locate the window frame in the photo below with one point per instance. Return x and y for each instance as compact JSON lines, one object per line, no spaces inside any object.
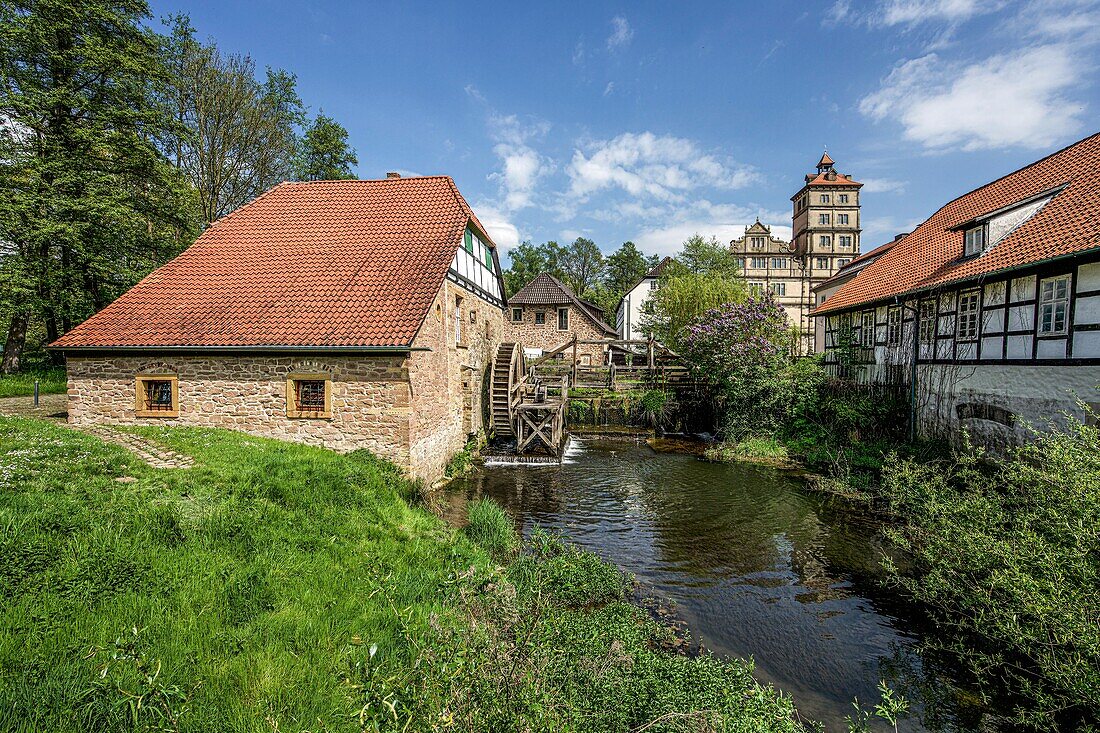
{"x":927,"y":323}
{"x":782,"y":263}
{"x":460,"y":340}
{"x":778,"y":289}
{"x":824,"y":220}
{"x":893,"y":325}
{"x":826,"y":199}
{"x":825,"y":240}
{"x":756,"y":287}
{"x":514,"y":312}
{"x":821,"y":263}
{"x":1052,"y":302}
{"x":842,"y":219}
{"x":966,"y":321}
{"x":540,"y":318}
{"x":843,"y":198}
{"x":292,"y":410}
{"x":867,"y":331}
{"x":563,"y":312}
{"x":845,"y":240}
{"x":758,"y":263}
{"x":140,"y":390}
{"x":967,"y":250}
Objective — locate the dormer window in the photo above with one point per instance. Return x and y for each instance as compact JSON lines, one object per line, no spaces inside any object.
{"x":975,"y":241}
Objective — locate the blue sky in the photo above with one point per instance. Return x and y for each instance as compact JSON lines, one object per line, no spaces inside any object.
{"x":652,"y":121}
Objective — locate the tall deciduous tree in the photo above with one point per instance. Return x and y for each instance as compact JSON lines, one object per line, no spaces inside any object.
{"x":88,"y":203}
{"x":239,"y":135}
{"x":325,"y":154}
{"x":528,"y":261}
{"x":582,"y":265}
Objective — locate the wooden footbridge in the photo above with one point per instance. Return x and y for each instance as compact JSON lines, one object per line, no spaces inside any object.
{"x":529,"y":401}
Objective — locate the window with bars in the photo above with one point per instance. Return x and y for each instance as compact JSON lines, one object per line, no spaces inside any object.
{"x":969,"y":309}
{"x":157,"y":395}
{"x":893,"y":326}
{"x":867,"y":329}
{"x":1054,"y":305}
{"x":309,"y":396}
{"x":928,"y":321}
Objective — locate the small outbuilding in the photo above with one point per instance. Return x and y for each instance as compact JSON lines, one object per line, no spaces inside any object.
{"x":546,"y":314}
{"x":345,"y":314}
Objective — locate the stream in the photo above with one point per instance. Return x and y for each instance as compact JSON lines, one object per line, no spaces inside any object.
{"x":756,"y":565}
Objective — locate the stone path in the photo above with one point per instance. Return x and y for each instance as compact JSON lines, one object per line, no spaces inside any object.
{"x":155,"y":455}
{"x":53,"y":406}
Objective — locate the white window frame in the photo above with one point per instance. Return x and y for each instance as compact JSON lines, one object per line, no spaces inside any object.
{"x":1054,"y":295}
{"x":759,"y":263}
{"x":823,"y":219}
{"x":779,"y":289}
{"x":974,"y":241}
{"x":843,"y":198}
{"x":867,"y":329}
{"x":825,"y":240}
{"x":756,"y":288}
{"x":841,"y":218}
{"x":927,"y":317}
{"x":779,"y":263}
{"x":969,"y":314}
{"x":893,"y":325}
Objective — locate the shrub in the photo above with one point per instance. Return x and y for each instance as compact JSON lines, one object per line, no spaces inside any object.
{"x":491,"y":528}
{"x":1008,"y":562}
{"x":759,"y":448}
{"x":654,"y":407}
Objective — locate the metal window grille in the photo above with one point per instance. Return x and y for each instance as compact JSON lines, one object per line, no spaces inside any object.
{"x":158,"y":395}
{"x":309,"y":395}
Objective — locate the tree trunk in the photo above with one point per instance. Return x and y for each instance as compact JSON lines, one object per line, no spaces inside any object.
{"x":13,"y":347}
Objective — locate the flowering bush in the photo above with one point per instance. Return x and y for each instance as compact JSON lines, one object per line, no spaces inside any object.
{"x":744,"y":350}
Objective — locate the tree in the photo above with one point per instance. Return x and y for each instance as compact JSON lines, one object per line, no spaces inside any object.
{"x":623,"y":269}
{"x":88,"y":202}
{"x":325,"y":154}
{"x":237,"y":136}
{"x":528,"y":261}
{"x":582,"y":265}
{"x":702,"y":277}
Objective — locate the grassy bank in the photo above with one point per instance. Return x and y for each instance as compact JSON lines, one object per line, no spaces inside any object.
{"x":50,"y":381}
{"x":281,"y":587}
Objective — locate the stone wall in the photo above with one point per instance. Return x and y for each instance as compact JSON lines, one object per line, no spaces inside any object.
{"x":416,"y":410}
{"x":450,"y":382}
{"x":370,"y":396}
{"x":547,"y":336}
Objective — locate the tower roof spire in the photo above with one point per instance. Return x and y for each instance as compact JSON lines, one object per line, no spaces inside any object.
{"x":825,"y":162}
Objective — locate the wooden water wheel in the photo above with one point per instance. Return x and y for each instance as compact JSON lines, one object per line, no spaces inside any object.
{"x":508,"y":372}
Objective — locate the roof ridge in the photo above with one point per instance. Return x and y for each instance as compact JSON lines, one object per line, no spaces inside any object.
{"x":240,"y":208}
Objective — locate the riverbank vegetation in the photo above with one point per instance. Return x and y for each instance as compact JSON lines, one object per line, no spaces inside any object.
{"x":1005,"y":550}
{"x":281,"y":587}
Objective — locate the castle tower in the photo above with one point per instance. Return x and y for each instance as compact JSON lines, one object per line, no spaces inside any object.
{"x":825,"y":228}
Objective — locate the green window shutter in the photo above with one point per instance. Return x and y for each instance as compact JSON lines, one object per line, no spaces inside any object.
{"x":469,"y":241}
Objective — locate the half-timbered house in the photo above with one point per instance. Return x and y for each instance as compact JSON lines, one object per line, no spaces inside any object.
{"x":995,"y":300}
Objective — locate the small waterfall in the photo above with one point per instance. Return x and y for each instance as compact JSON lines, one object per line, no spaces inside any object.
{"x":572,"y":449}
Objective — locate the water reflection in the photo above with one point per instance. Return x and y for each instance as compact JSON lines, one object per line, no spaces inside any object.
{"x":756,"y":565}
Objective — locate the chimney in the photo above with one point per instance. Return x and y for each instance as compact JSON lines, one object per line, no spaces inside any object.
{"x":899,"y":237}
{"x":393,"y":174}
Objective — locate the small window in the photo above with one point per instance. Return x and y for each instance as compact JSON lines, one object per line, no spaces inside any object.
{"x":823,"y":219}
{"x":969,"y":304}
{"x":845,"y":241}
{"x":756,"y":288}
{"x":779,"y":263}
{"x":842,"y":262}
{"x":540,"y":318}
{"x":975,"y":241}
{"x":824,"y":198}
{"x":740,"y":263}
{"x":779,"y":288}
{"x":517,"y":315}
{"x":757,"y":242}
{"x":309,"y":396}
{"x":473,"y":315}
{"x":563,"y":319}
{"x":821,"y":263}
{"x":841,"y":218}
{"x":458,"y":321}
{"x":927,"y":321}
{"x":893,"y":326}
{"x":157,"y":395}
{"x":826,"y":240}
{"x":867,"y":329}
{"x":1053,"y":305}
{"x":843,"y":198}
{"x":759,"y":263}
{"x":652,"y":284}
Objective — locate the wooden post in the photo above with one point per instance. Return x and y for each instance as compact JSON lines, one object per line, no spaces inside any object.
{"x":611,"y":377}
{"x":649,"y":353}
{"x":574,"y":358}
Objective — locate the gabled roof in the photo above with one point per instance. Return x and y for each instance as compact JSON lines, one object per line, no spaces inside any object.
{"x":549,"y":291}
{"x":849,"y":270}
{"x":331,"y":264}
{"x":931,"y":256}
{"x":825,"y":160}
{"x":657,"y":270}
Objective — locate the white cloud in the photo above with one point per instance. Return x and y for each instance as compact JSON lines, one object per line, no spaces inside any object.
{"x":621,"y":33}
{"x":724,"y":221}
{"x":910,"y":12}
{"x":882,"y":185}
{"x":521,"y":165}
{"x":1006,"y":100}
{"x":609,"y":88}
{"x":568,"y":235}
{"x":648,"y":165}
{"x":500,"y":228}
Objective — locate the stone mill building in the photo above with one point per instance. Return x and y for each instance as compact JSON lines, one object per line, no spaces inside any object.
{"x":345,"y":314}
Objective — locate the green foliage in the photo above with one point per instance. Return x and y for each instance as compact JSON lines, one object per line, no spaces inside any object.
{"x":490,"y":527}
{"x":654,"y":407}
{"x":50,"y":381}
{"x":890,"y":708}
{"x":462,"y":461}
{"x":1007,"y":559}
{"x":703,"y":277}
{"x":280,"y":586}
{"x":762,"y":448}
{"x":325,"y":154}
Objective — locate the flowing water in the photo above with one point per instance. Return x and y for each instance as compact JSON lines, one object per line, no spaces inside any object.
{"x":756,"y":565}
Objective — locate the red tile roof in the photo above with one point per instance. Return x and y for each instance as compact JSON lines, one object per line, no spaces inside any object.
{"x":324,"y":263}
{"x":850,"y":269}
{"x":831,"y":179}
{"x":825,"y":160}
{"x":930,"y":256}
{"x":548,"y":290}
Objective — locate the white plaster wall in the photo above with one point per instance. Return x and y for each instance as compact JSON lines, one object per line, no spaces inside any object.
{"x":632,"y":310}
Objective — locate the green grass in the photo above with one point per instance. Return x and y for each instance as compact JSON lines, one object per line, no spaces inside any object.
{"x":757,"y":448}
{"x":282,"y":587}
{"x":51,"y":381}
